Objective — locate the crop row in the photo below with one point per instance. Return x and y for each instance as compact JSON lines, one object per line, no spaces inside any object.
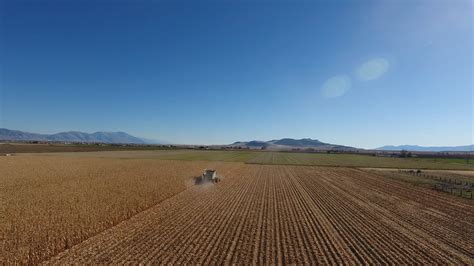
{"x":285,"y":214}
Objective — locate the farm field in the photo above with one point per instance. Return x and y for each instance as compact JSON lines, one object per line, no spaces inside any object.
{"x":291,"y":214}
{"x":459,"y":175}
{"x":50,"y":203}
{"x":354,"y":160}
{"x":41,"y":148}
{"x":132,"y":206}
{"x":182,"y":155}
{"x":280,"y":158}
{"x":458,"y":183}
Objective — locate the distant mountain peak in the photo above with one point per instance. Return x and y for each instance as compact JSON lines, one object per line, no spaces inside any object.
{"x":427,"y":149}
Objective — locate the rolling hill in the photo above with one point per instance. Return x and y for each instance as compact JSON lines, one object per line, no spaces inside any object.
{"x":290,"y":144}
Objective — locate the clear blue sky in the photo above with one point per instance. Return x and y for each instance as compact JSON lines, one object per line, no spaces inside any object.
{"x":359,"y":73}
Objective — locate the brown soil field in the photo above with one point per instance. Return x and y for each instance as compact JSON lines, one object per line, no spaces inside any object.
{"x":291,"y":214}
{"x":49,"y":204}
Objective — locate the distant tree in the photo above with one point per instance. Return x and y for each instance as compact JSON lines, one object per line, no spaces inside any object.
{"x":403,"y":153}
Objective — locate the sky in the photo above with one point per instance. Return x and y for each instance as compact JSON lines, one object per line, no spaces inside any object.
{"x":357,"y":73}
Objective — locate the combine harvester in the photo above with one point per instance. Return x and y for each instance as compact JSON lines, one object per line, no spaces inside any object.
{"x":209,"y":175}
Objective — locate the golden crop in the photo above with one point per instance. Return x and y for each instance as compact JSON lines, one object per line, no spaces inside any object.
{"x":50,"y":203}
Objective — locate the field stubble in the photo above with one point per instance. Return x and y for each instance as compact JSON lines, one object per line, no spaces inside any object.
{"x":287,"y":214}
{"x":280,"y":158}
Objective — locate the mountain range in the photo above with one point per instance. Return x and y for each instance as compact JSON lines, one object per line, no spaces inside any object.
{"x":428,"y":149}
{"x":276,"y":144}
{"x":72,"y":136}
{"x":288,"y":144}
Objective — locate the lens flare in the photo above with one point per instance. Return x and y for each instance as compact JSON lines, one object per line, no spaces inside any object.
{"x":372,"y":69}
{"x":336,"y":86}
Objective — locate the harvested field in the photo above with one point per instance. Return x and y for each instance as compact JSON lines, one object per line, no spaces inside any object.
{"x":355,"y":160}
{"x":458,"y":183}
{"x":182,"y":155}
{"x":288,"y":214}
{"x":280,"y":158}
{"x":50,"y":203}
{"x":465,"y":173}
{"x":454,"y":176}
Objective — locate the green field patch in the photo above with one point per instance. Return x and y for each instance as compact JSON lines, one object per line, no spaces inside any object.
{"x":355,"y":160}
